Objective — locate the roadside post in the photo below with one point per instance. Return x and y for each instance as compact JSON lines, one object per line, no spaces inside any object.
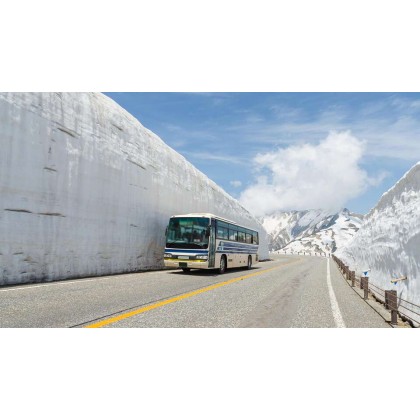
{"x":364,"y":281}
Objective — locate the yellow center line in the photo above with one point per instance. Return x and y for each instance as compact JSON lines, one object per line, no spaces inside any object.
{"x":181,"y":297}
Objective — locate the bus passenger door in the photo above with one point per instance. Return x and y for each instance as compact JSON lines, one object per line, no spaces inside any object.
{"x":212,"y":243}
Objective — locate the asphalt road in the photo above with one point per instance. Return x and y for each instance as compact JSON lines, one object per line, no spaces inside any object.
{"x":291,"y":291}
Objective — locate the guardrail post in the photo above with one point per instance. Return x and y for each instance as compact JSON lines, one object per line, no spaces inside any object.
{"x":392,"y":303}
{"x":353,"y":277}
{"x":364,"y":284}
{"x":347,"y":272}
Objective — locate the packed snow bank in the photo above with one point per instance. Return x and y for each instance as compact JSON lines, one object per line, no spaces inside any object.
{"x":87,"y":190}
{"x":388,"y":242}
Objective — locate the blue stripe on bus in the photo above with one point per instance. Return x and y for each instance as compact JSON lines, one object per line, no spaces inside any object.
{"x":235,"y":246}
{"x":226,"y":245}
{"x":236,"y":252}
{"x":222,"y":243}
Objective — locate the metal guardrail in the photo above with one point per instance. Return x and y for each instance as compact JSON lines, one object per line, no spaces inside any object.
{"x":388,"y":297}
{"x":310,"y":253}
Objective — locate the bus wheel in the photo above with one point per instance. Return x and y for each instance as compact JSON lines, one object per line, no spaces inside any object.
{"x":222,"y":267}
{"x":249,"y":262}
{"x":186,"y":270}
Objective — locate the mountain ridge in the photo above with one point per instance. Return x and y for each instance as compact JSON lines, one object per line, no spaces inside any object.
{"x":315,"y":230}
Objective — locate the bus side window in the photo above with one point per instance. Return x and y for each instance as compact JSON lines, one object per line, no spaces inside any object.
{"x":241,"y":236}
{"x":233,"y":235}
{"x":255,"y":238}
{"x":222,"y":233}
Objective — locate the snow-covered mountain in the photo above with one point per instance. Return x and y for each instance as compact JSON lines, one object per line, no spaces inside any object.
{"x":310,"y":230}
{"x":388,"y":242}
{"x":86,"y":190}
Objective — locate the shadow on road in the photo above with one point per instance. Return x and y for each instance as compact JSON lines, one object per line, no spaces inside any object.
{"x":211,"y":273}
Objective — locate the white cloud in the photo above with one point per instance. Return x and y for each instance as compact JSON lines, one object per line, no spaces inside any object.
{"x":236,"y":184}
{"x":207,"y":156}
{"x":308,"y":176}
{"x":390,"y":126}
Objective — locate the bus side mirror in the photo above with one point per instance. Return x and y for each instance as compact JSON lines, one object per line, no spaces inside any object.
{"x":208,"y":232}
{"x":166,"y":231}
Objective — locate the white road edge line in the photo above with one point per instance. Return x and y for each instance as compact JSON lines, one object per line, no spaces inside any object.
{"x":338,"y":319}
{"x":65,"y":282}
{"x":61,"y":283}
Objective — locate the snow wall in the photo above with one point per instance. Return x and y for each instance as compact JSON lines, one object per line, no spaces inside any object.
{"x":388,"y":243}
{"x":86,"y":190}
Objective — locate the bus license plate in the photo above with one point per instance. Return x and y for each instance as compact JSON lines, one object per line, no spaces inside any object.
{"x":183,"y":264}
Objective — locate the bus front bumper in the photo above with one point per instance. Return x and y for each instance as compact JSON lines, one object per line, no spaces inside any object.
{"x":176,"y":263}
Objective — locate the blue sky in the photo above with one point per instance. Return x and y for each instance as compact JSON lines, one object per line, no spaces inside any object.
{"x":290,"y":146}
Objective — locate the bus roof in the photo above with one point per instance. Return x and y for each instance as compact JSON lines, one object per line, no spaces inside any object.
{"x":210,"y":216}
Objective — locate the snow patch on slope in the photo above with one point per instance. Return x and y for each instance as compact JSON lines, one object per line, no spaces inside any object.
{"x":388,"y":242}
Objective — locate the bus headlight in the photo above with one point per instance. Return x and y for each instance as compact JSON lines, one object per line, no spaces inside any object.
{"x":202,"y":257}
{"x":167,"y":255}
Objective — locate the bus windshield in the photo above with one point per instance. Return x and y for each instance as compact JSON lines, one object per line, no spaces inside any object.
{"x":188,"y":233}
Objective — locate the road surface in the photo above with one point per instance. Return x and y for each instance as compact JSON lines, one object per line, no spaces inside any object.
{"x":290,"y":291}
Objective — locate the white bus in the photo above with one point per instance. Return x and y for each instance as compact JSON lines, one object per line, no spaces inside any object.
{"x":203,"y":240}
